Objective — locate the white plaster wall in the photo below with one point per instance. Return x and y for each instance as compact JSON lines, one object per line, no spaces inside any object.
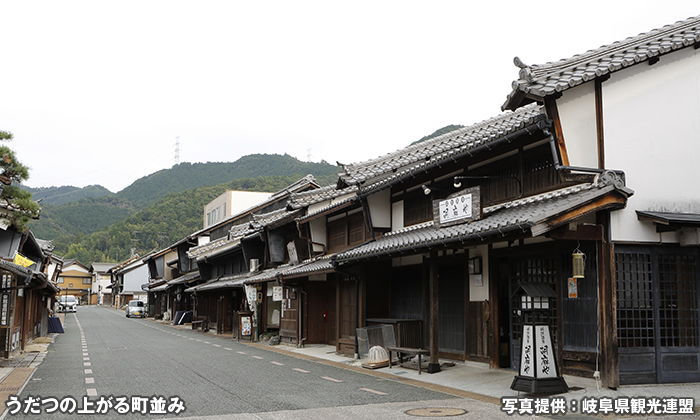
{"x":380,"y":208}
{"x":397,"y":215}
{"x":578,"y":121}
{"x":244,"y":200}
{"x":318,"y":233}
{"x":652,"y":133}
{"x":480,"y":293}
{"x":135,"y":278}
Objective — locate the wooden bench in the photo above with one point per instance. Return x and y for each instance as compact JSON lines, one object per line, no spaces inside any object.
{"x":201,"y":323}
{"x":409,"y":351}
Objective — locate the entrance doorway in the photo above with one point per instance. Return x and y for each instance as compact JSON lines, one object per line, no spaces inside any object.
{"x":513,"y":273}
{"x":657,"y":314}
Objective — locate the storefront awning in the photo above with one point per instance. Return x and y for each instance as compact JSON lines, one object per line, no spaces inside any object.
{"x":668,"y":222}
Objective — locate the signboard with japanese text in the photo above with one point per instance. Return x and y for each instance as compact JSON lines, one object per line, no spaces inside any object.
{"x":537,"y":354}
{"x":546,"y":365}
{"x":527,"y":353}
{"x":573,"y":288}
{"x":277,"y":293}
{"x":460,"y":207}
{"x":4,"y":309}
{"x":6,"y":280}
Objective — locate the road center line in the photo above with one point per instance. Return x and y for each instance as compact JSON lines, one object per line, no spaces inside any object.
{"x":331,"y":379}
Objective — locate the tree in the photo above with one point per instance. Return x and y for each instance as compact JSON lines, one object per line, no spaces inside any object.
{"x":16,"y":205}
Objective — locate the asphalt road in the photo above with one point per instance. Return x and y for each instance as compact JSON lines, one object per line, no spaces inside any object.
{"x":106,"y":363}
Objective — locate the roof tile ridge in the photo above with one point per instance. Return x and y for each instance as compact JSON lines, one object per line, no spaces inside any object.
{"x":460,"y":132}
{"x":539,"y":70}
{"x":566,"y":191}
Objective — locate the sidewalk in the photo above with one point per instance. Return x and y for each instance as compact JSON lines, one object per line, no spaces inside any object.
{"x":477,"y":381}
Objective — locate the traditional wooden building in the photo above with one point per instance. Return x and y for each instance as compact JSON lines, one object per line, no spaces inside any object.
{"x":28,"y":274}
{"x":633,"y":105}
{"x":239,"y":247}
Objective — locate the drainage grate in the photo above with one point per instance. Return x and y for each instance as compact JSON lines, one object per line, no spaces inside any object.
{"x":9,"y":389}
{"x":436,"y":412}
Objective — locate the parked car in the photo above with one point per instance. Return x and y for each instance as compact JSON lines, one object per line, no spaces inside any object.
{"x":136,"y":308}
{"x":67,"y":303}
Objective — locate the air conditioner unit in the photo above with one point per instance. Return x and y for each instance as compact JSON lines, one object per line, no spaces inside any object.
{"x":254,"y":264}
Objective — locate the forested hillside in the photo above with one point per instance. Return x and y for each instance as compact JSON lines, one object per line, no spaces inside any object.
{"x":161,"y":208}
{"x":185,"y":176}
{"x":69,"y":211}
{"x":80,"y":217}
{"x":170,"y":219}
{"x":66,"y":194}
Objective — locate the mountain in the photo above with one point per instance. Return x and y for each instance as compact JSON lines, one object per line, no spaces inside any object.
{"x":185,"y":176}
{"x":161,"y":208}
{"x":80,"y":217}
{"x":443,"y":130}
{"x":62,"y":195}
{"x":170,"y":219}
{"x":95,"y":227}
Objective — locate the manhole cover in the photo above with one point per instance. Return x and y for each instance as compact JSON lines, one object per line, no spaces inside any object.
{"x":436,"y":412}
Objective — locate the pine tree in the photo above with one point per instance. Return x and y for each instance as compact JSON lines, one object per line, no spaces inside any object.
{"x":16,"y":205}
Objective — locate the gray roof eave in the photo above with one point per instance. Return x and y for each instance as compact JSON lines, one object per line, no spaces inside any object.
{"x":498,"y":221}
{"x":409,"y":174}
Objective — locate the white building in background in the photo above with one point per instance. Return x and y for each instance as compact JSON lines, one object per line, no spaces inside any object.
{"x":100,"y":280}
{"x":127,"y":280}
{"x":229,"y":203}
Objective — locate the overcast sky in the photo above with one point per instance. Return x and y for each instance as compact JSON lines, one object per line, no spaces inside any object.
{"x":98,"y":92}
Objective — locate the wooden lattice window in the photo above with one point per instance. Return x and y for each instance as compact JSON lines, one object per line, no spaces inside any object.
{"x":657,"y":298}
{"x":346,"y":232}
{"x":417,"y":209}
{"x":635,"y":311}
{"x":678,"y":301}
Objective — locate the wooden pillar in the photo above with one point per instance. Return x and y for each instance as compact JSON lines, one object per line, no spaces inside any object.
{"x":434,"y":365}
{"x":610,"y":372}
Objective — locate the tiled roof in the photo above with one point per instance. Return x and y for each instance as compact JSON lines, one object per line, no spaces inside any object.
{"x":385,"y":170}
{"x":500,"y":219}
{"x":305,"y":182}
{"x":180,"y":280}
{"x":274,"y":218}
{"x":14,"y":268}
{"x":330,"y":192}
{"x":214,"y":247}
{"x":539,"y":81}
{"x":321,"y":265}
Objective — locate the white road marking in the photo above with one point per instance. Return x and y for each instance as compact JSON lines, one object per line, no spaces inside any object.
{"x":373,"y":391}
